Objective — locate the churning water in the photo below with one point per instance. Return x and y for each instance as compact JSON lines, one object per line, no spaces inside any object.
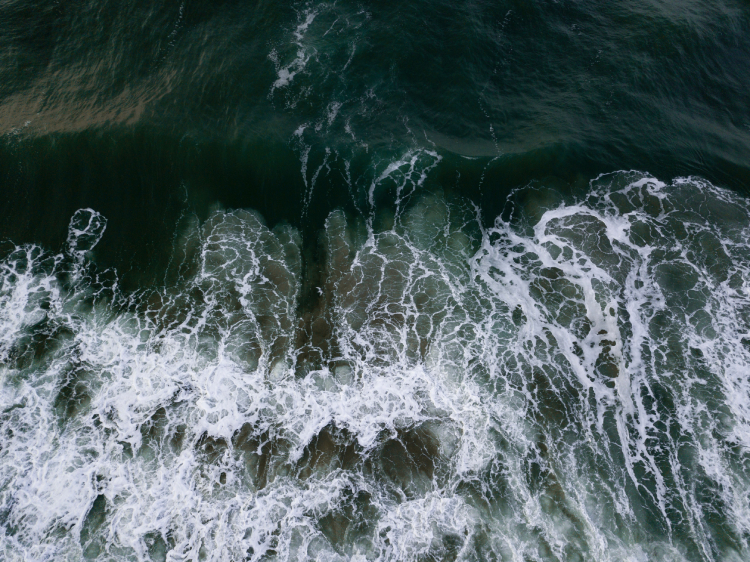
{"x":360,"y":281}
{"x":569,"y":384}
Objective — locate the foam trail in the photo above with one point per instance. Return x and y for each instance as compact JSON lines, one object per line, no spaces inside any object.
{"x":287,"y":73}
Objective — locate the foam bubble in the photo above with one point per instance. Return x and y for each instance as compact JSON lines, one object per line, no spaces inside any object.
{"x":85,"y":231}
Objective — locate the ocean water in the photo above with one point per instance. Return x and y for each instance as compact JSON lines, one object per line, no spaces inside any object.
{"x":375,"y":281}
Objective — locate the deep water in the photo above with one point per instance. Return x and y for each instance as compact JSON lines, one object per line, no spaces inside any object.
{"x":395,"y":281}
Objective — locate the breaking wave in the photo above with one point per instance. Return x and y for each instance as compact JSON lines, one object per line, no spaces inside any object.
{"x":568,"y":384}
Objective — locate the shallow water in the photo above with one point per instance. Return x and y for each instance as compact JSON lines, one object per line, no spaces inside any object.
{"x":372,"y":281}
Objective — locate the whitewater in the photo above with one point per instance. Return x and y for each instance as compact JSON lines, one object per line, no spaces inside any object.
{"x":568,"y":383}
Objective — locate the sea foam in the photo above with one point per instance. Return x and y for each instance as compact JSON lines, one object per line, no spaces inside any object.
{"x":569,"y":383}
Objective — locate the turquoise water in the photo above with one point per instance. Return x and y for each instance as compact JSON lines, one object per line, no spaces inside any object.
{"x":375,"y":281}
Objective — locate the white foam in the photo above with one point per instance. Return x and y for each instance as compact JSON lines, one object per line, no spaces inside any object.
{"x":409,"y":179}
{"x":285,"y":74}
{"x":542,"y":389}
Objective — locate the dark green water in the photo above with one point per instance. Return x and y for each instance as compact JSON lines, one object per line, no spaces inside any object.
{"x":375,"y":280}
